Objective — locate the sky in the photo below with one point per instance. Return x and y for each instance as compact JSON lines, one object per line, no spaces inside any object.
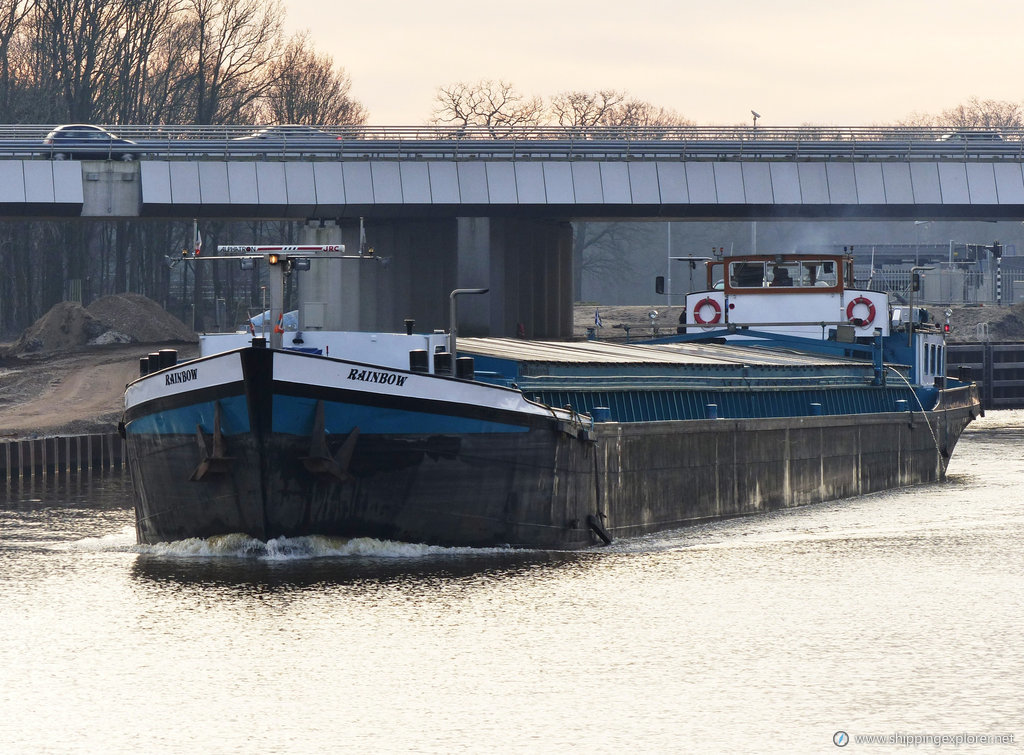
{"x":795,"y":62}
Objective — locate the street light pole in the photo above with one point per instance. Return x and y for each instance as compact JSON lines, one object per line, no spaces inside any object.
{"x":668,"y":267}
{"x":917,"y":239}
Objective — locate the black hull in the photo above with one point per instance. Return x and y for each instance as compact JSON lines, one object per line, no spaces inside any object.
{"x":549,"y":487}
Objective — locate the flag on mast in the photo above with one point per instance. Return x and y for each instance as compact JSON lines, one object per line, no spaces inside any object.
{"x":199,"y":242}
{"x":597,"y":319}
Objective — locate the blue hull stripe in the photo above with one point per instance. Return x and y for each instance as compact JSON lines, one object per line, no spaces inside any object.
{"x":234,"y":419}
{"x":294,"y":415}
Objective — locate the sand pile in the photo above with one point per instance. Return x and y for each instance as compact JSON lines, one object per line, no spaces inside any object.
{"x":142,"y":319}
{"x":1000,"y":323}
{"x":120,"y":318}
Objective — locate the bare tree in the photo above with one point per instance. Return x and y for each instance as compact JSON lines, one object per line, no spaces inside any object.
{"x":497,"y":105}
{"x":144,"y":26}
{"x":306,"y":87}
{"x":12,"y":13}
{"x":975,"y":113}
{"x":605,"y":252}
{"x":72,"y":38}
{"x":230,"y":45}
{"x":985,"y":114}
{"x":634,"y":112}
{"x":166,"y":87}
{"x":580,"y":108}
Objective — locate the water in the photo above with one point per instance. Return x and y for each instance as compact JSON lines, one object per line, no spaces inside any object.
{"x":891,"y":614}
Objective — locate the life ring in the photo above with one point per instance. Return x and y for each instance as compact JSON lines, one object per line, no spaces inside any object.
{"x":856,"y":320}
{"x":714,"y":305}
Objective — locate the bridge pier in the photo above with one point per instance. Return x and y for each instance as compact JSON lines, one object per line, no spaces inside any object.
{"x":526,"y":264}
{"x":339,"y":294}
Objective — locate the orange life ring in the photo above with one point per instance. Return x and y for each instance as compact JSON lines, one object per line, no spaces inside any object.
{"x":714,"y":305}
{"x":856,"y":320}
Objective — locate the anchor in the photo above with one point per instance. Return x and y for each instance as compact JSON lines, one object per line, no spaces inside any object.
{"x":595,"y":525}
{"x":320,"y":462}
{"x":214,"y":462}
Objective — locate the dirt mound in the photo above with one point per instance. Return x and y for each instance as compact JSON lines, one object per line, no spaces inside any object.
{"x":986,"y":323}
{"x":65,"y":326}
{"x":120,"y":318}
{"x":140,"y":318}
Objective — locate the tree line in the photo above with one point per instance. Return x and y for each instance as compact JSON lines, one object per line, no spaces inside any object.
{"x":164,"y":61}
{"x":499,"y":106}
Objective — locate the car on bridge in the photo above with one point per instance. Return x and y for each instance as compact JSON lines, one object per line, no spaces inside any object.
{"x":287,"y":137}
{"x":971,"y":136}
{"x":82,"y":141}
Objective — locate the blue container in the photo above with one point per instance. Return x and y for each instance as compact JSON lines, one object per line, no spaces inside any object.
{"x":602,"y":414}
{"x":902,"y":405}
{"x":712,"y":411}
{"x":815,"y":409}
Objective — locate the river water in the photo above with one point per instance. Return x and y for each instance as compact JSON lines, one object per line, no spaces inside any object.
{"x":896,"y":615}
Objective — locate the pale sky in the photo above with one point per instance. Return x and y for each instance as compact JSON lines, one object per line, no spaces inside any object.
{"x":859,"y":62}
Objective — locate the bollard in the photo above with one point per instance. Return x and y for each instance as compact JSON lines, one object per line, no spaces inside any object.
{"x":443,"y":363}
{"x":464,"y":368}
{"x":419,"y":360}
{"x":168,"y":357}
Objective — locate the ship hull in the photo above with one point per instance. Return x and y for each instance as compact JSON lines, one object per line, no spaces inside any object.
{"x":286,"y":445}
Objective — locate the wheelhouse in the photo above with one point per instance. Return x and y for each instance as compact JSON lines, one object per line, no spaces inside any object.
{"x":807,"y":295}
{"x":817,"y":272}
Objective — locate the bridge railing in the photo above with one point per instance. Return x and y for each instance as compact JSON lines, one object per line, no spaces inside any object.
{"x":525,"y":142}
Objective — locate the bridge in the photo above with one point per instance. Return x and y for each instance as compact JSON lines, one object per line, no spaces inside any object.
{"x":490,"y":207}
{"x":563,"y":173}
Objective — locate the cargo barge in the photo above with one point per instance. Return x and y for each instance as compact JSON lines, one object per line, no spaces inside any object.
{"x":490,"y":441}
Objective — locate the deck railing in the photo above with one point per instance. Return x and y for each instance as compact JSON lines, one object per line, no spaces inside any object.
{"x":548,"y":142}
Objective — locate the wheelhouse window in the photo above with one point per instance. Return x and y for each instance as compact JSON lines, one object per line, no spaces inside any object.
{"x":786,"y":275}
{"x":819,"y":273}
{"x":775,"y":273}
{"x":746,"y":274}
